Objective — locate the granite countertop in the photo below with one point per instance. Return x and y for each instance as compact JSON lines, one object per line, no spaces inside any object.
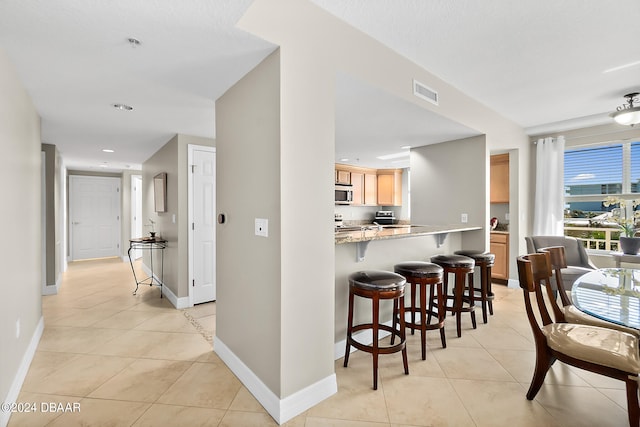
{"x":398,"y":231}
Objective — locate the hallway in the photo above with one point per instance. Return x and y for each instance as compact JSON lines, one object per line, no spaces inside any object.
{"x":137,"y":361}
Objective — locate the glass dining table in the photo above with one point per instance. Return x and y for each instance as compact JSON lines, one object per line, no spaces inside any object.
{"x":612,"y":294}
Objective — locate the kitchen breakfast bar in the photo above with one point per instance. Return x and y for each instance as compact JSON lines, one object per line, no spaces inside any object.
{"x":380,"y":248}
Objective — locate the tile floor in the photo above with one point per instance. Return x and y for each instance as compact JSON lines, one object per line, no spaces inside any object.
{"x":137,"y":361}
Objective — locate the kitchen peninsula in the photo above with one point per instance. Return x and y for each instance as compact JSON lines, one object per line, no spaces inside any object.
{"x":380,"y":248}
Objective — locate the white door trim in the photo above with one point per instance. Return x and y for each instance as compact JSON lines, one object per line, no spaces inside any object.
{"x":190,"y":214}
{"x":73,"y":179}
{"x":136,"y":214}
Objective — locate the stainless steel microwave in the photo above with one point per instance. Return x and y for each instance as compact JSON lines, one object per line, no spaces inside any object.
{"x":344,"y":194}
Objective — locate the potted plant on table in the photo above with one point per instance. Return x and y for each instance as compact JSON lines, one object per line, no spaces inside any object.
{"x":152,"y":226}
{"x":627,"y":219}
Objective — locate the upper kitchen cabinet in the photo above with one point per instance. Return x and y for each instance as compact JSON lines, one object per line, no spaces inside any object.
{"x":343,"y":175}
{"x":499,"y":178}
{"x":390,"y":187}
{"x":364,"y":182}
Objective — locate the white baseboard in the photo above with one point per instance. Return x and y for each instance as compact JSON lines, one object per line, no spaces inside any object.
{"x":21,"y":374}
{"x":282,"y":410}
{"x":178,"y":303}
{"x":513,"y":283}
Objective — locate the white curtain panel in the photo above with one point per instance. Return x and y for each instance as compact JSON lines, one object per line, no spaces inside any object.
{"x":548,"y":214}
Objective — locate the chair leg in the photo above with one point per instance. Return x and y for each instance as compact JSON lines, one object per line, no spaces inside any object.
{"x":375,"y":344}
{"x":472,"y":299}
{"x":483,"y":293}
{"x":413,"y":307}
{"x":349,"y":326}
{"x":403,"y":336}
{"x":489,"y":291}
{"x":441,"y":311}
{"x":423,"y":320}
{"x":633,"y":409}
{"x":543,"y":363}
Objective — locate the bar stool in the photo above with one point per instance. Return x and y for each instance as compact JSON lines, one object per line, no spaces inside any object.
{"x":485,"y":261}
{"x":423,"y":275}
{"x":461,"y":266}
{"x":377,"y":285}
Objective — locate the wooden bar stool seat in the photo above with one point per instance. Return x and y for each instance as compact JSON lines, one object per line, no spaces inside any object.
{"x":463,"y":302}
{"x":483,"y":260}
{"x":377,"y":285}
{"x":424,"y":278}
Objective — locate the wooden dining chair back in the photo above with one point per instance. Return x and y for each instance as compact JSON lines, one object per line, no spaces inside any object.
{"x":608,"y":352}
{"x":558,"y":261}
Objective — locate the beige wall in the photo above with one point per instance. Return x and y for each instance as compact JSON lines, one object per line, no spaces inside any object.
{"x":450,"y":179}
{"x":172,"y":159}
{"x":22,"y":233}
{"x":248,"y":275}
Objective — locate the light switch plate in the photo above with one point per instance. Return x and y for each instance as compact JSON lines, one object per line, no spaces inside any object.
{"x":262,"y":227}
{"x":464,"y":218}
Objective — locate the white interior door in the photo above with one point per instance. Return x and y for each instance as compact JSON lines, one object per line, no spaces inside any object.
{"x":136,"y":212}
{"x":203,"y":227}
{"x":94,"y":214}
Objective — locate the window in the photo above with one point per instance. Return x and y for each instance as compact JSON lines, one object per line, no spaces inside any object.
{"x":590,"y":175}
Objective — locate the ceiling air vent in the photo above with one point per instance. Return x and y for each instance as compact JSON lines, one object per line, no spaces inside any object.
{"x":425,"y":92}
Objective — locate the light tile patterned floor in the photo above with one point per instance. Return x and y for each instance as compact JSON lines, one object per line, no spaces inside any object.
{"x":137,"y":361}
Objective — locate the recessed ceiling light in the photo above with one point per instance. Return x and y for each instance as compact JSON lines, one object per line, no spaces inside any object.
{"x":124,"y":107}
{"x":405,"y":147}
{"x":344,"y":160}
{"x":103,"y":166}
{"x":133,"y":41}
{"x":108,"y":150}
{"x":393,"y":156}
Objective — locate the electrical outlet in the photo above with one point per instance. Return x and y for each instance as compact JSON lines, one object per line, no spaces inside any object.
{"x":506,"y":216}
{"x":262,"y":227}
{"x":464,"y":218}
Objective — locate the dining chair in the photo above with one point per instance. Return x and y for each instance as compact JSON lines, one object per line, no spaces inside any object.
{"x":604,"y":351}
{"x":578,"y":262}
{"x":567,"y":312}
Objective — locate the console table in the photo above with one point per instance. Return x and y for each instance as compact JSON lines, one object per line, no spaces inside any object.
{"x":619,"y":257}
{"x":151,"y":244}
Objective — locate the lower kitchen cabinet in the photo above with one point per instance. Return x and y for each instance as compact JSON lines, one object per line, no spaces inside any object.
{"x":499,"y":245}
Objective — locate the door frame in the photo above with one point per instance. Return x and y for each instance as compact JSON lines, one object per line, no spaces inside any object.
{"x":136,"y":213}
{"x":191,"y":148}
{"x":70,"y":218}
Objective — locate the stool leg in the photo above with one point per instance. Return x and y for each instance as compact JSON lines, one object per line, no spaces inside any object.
{"x":431,"y":297}
{"x":483,"y":292}
{"x":423,"y":320}
{"x":376,"y":318}
{"x":457,"y":303}
{"x":472,"y":300}
{"x":441,"y":311}
{"x":349,"y":326}
{"x":489,"y":292}
{"x":395,"y":320}
{"x":403,"y":336}
{"x":413,"y":307}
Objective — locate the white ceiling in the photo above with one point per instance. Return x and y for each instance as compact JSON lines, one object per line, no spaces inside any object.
{"x":540,"y":63}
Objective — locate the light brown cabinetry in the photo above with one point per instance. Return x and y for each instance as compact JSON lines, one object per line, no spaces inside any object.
{"x":499,"y":245}
{"x":364,"y":187}
{"x":390,"y":187}
{"x":343,"y":176}
{"x":499,"y":178}
{"x":372,"y":187}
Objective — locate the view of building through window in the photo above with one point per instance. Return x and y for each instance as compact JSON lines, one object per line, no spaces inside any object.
{"x":590,"y":175}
